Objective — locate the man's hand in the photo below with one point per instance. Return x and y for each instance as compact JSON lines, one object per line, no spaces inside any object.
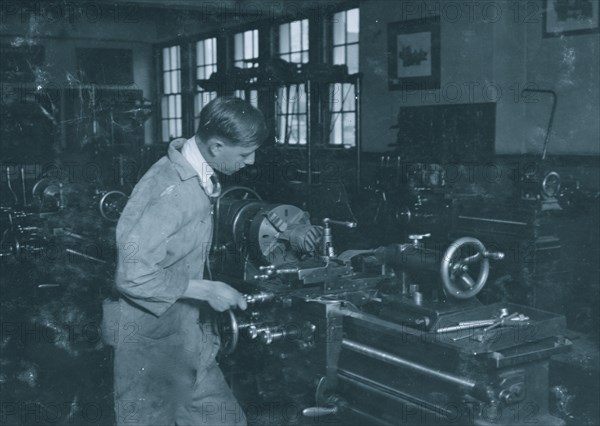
{"x":219,"y":295}
{"x":225,"y":297}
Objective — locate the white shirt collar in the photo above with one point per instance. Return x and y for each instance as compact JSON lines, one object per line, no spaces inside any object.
{"x":193,"y":156}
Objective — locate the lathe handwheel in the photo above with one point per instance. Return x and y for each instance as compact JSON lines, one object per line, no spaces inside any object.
{"x":112,"y":204}
{"x":45,"y":192}
{"x":455,"y":270}
{"x":229,"y":332}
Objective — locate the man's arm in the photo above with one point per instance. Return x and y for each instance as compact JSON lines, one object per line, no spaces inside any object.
{"x":219,"y":295}
{"x":142,"y":241}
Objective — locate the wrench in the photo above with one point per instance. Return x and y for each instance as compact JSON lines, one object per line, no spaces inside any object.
{"x":514,"y":317}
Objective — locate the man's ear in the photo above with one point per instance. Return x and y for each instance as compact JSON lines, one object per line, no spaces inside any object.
{"x":215,"y":146}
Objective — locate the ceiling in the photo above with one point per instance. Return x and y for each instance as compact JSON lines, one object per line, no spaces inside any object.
{"x":250,"y":8}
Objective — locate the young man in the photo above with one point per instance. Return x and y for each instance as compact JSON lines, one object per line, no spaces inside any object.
{"x":165,"y":370}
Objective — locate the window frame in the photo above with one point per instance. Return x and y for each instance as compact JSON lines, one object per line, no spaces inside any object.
{"x":320,"y":52}
{"x":196,"y":89}
{"x":330,"y":47}
{"x":300,"y":84}
{"x":160,"y":85}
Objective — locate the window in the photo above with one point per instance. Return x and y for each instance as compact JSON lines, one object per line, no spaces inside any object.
{"x":171,"y":114}
{"x":206,"y":64}
{"x":246,"y":49}
{"x":342,"y":96}
{"x":327,"y":98}
{"x":291,"y":99}
{"x":246,"y":56}
{"x":293,"y":41}
{"x":345,"y":39}
{"x":342,"y":129}
{"x":290,"y":106}
{"x":251,"y":95}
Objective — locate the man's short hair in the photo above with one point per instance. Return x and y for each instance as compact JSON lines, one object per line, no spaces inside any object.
{"x":232,"y":120}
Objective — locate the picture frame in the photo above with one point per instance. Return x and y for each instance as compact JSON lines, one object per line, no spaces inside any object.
{"x":570,"y":17}
{"x":414,"y":54}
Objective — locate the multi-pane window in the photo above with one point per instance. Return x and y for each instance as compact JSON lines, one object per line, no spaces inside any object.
{"x":293,"y":41}
{"x":245,"y":55}
{"x":342,"y":106}
{"x":250,"y":95}
{"x":291,"y":101}
{"x":290,"y":106}
{"x":345,"y":39}
{"x":171,"y":114}
{"x":342,"y":96}
{"x":334,"y":102}
{"x":206,"y":64}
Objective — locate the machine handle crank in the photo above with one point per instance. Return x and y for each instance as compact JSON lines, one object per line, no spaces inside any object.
{"x":493,"y":255}
{"x":332,"y":404}
{"x":339,"y":222}
{"x":328,"y":250}
{"x":417,"y":238}
{"x":319,"y":411}
{"x":455,"y":271}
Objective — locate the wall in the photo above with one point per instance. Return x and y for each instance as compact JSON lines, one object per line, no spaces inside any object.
{"x":569,"y":65}
{"x":62,"y":28}
{"x":490,"y":51}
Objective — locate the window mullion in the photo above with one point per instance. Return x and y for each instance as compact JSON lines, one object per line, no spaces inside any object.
{"x":187,"y":87}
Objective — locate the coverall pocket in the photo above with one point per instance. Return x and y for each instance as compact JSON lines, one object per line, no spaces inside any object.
{"x":143,"y":324}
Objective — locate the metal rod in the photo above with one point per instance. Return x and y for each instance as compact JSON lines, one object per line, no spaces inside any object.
{"x":121,"y":166}
{"x":500,"y":322}
{"x":10,"y":186}
{"x":401,"y":362}
{"x":554,"y":102}
{"x":483,"y":219}
{"x":309,"y":147}
{"x":85,"y":256}
{"x":23,"y":186}
{"x":358,"y":128}
{"x":369,"y":385}
{"x":480,"y":322}
{"x":463,"y":327}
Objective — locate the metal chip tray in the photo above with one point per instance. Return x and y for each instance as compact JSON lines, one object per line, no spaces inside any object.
{"x":541,"y":325}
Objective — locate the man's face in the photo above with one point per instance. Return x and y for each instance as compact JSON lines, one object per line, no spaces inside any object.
{"x":229,"y":159}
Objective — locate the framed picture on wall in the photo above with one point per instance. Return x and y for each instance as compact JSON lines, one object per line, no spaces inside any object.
{"x":414,"y":54}
{"x":569,"y":17}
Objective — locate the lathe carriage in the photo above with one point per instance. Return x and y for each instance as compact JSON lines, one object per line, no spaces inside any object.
{"x":389,"y":335}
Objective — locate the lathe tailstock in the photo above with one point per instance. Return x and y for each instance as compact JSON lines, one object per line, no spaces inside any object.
{"x":383,"y":336}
